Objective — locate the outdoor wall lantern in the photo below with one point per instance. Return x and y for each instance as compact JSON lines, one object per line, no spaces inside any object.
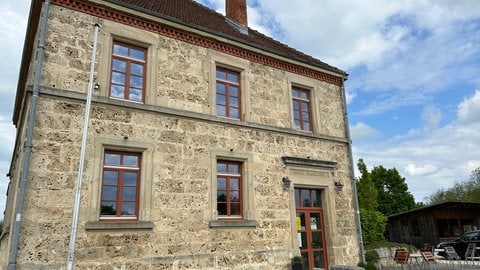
{"x":339,"y":185}
{"x":286,"y":182}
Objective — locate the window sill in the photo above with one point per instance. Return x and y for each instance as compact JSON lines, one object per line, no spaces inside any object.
{"x":117,"y":225}
{"x":232,"y":223}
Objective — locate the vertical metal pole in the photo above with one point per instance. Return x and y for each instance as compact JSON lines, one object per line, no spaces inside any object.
{"x":12,"y":260}
{"x":76,"y":205}
{"x":352,"y":176}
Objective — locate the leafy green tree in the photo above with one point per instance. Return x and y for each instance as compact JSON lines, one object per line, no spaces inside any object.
{"x":393,"y":194}
{"x":373,"y":222}
{"x":467,"y":191}
{"x":373,"y":225}
{"x":367,"y":193}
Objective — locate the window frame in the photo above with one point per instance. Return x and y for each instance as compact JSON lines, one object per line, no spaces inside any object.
{"x":128,"y":60}
{"x":228,"y":85}
{"x":120,"y":185}
{"x":228,"y":175}
{"x":301,"y":101}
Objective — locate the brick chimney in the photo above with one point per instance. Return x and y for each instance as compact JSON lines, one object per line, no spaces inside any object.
{"x":237,"y":11}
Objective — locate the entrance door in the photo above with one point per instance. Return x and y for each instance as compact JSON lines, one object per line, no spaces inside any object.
{"x":310,"y":228}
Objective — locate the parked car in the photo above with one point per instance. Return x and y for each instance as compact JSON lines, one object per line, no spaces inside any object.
{"x":460,"y":244}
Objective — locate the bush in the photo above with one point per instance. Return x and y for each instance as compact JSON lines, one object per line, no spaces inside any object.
{"x":371,"y":256}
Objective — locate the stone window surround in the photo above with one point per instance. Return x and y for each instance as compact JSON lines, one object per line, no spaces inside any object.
{"x":239,"y":65}
{"x":132,"y":36}
{"x":146,"y":183}
{"x":306,"y":84}
{"x":247,"y":188}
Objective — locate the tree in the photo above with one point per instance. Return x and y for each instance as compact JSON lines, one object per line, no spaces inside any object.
{"x":468,"y":191}
{"x":373,"y":222}
{"x":367,"y":193}
{"x":381,"y":192}
{"x":393,"y":194}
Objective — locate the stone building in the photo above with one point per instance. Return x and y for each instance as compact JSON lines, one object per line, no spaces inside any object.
{"x":209,"y":144}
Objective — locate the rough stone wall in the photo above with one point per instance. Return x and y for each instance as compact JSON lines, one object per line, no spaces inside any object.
{"x":182,"y":146}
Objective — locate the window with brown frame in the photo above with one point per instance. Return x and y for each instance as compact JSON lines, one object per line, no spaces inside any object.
{"x":128,"y":72}
{"x":229,"y":189}
{"x":301,"y":109}
{"x":228,"y":93}
{"x":120,"y":185}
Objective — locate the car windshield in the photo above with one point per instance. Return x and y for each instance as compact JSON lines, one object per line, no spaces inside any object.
{"x":471,"y":236}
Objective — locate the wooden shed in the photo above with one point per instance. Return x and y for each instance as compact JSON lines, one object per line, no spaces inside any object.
{"x":434,"y":223}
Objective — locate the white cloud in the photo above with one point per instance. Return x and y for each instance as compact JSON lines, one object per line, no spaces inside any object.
{"x":469,"y":109}
{"x":414,"y":169}
{"x":361,"y":131}
{"x":431,"y":116}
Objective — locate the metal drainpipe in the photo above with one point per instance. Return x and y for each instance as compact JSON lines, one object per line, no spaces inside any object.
{"x":76,"y":205}
{"x":352,"y":176}
{"x":28,"y":143}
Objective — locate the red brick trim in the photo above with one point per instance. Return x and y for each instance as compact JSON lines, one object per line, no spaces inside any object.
{"x":104,"y":13}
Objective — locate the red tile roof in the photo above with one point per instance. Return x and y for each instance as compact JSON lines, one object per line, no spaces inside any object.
{"x":193,"y":14}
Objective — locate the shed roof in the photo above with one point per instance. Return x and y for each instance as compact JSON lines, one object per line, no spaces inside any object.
{"x":442,"y":205}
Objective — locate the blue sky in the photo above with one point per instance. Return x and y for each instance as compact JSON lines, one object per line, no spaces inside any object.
{"x":413,"y":89}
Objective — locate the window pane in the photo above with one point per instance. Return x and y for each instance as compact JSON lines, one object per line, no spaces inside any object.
{"x":135,"y":94}
{"x":128,"y":208}
{"x":130,"y":179}
{"x":306,"y":116}
{"x":233,"y":91}
{"x":296,"y":114}
{"x":109,"y":193}
{"x":221,"y":99}
{"x":130,"y":160}
{"x":120,"y":49}
{"x":316,"y":198}
{"x":303,"y":95}
{"x":234,"y":102}
{"x":306,"y":126}
{"x":221,"y":88}
{"x":235,"y":209}
{"x":222,"y":209}
{"x":136,"y":81}
{"x":306,"y":197}
{"x":110,"y":178}
{"x":221,"y":110}
{"x":234,"y":196}
{"x":221,"y":196}
{"x":138,"y":54}
{"x":129,"y":193}
{"x":221,"y":75}
{"x":119,"y":65}
{"x":234,"y":113}
{"x":221,"y":183}
{"x":234,"y":184}
{"x":112,"y":159}
{"x":233,"y":77}
{"x":221,"y":167}
{"x":233,"y":168}
{"x":305,"y":107}
{"x":136,"y":69}
{"x":108,"y":208}
{"x":118,"y":78}
{"x":117,"y":91}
